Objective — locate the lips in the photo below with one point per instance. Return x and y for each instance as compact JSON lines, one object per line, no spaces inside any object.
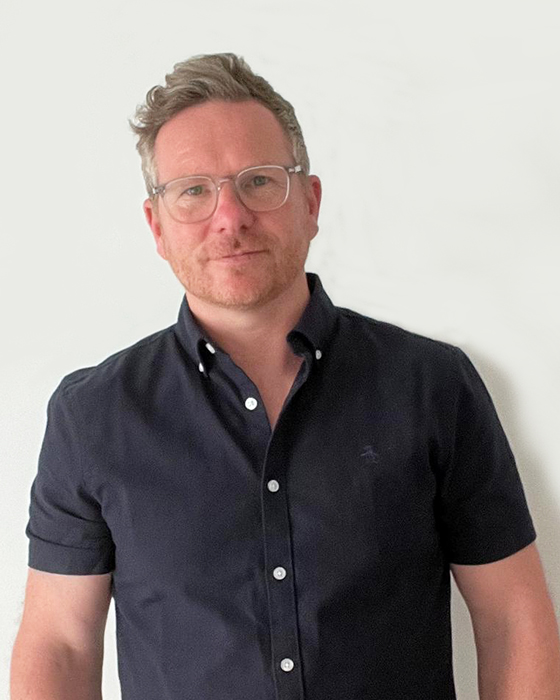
{"x":239,"y":254}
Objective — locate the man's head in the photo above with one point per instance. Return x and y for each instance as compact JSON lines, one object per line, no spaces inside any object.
{"x":215,"y":118}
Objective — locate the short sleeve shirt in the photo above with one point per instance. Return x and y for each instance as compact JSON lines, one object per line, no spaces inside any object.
{"x":308,"y":562}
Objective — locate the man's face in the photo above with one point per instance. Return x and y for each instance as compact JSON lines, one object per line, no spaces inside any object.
{"x":237,"y":258}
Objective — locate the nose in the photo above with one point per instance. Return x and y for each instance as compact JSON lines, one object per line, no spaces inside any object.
{"x":231,"y":215}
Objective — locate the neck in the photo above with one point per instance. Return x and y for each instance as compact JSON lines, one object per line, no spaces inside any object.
{"x":244,"y":333}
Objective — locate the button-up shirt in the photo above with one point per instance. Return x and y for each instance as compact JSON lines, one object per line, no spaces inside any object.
{"x":308,"y":562}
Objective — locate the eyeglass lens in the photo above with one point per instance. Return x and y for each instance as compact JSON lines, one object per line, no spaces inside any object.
{"x":194,"y":198}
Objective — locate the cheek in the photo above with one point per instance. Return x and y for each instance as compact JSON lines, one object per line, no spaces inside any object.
{"x":303,"y":221}
{"x":181,"y":241}
{"x":304,"y":228}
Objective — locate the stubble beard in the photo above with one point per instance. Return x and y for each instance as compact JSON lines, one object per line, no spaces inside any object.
{"x":247,"y":286}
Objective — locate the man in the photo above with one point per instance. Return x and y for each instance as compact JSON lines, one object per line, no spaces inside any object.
{"x":274,"y":490}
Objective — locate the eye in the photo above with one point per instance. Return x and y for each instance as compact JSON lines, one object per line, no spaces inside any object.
{"x":259,"y":181}
{"x":193,"y":191}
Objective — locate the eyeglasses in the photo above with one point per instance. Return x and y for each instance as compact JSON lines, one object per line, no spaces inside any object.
{"x":195,"y":198}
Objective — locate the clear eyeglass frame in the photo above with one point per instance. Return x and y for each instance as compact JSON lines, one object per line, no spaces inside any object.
{"x":218,"y":183}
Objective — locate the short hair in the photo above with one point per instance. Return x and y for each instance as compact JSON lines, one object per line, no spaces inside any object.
{"x":221,"y":76}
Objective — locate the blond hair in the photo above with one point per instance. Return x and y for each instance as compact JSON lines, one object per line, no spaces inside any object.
{"x":221,"y":76}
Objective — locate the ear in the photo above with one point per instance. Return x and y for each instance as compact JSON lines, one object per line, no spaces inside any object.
{"x":152,"y":217}
{"x":314,"y":192}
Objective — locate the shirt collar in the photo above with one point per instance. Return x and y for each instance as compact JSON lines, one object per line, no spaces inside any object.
{"x":317,"y":323}
{"x":312,"y":332}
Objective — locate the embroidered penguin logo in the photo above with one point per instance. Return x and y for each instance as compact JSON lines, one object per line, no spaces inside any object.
{"x":369,"y":455}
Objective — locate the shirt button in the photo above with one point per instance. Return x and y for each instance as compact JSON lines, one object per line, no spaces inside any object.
{"x":201,"y":367}
{"x":279,"y":573}
{"x":210,"y":348}
{"x":251,"y":403}
{"x":286,"y":665}
{"x":273,"y":485}
{"x":318,"y":354}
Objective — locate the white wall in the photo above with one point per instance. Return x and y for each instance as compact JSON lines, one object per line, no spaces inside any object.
{"x":434,"y":127}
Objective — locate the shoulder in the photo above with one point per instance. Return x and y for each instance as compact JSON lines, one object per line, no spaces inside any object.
{"x":125,"y":370}
{"x":398,"y":347}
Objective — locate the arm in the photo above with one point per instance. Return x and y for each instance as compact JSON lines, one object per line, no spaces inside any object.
{"x":58,"y":652}
{"x":515,"y":629}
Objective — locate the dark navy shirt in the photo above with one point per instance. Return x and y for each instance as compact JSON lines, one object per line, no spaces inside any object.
{"x":310,"y":562}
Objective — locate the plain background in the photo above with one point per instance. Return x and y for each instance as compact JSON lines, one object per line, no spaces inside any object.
{"x":434,"y":127}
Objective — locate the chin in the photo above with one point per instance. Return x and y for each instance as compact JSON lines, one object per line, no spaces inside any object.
{"x":236,"y":293}
{"x":241,"y":293}
{"x":235,"y":298}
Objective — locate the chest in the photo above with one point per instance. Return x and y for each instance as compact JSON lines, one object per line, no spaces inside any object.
{"x":193,"y":493}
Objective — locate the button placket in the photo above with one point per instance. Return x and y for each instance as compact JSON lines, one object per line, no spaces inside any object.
{"x":280,"y":583}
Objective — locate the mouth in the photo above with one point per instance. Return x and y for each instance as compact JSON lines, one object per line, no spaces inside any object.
{"x":241,"y":255}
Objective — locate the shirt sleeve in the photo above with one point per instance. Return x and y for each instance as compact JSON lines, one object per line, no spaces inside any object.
{"x":483,"y":511}
{"x":66,"y":530}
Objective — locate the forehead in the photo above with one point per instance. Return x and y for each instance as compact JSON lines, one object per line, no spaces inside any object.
{"x":220,"y":138}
